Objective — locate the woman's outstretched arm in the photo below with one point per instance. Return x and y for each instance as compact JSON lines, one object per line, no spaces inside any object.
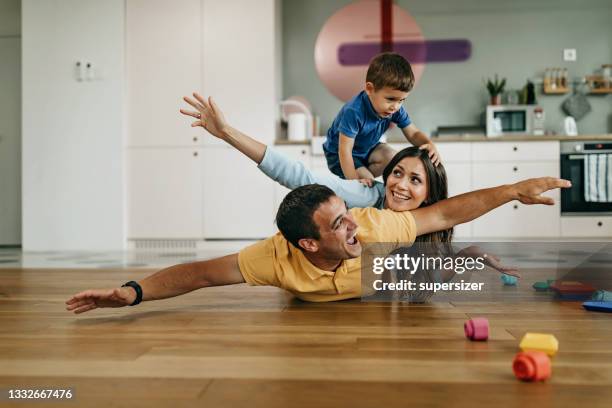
{"x":272,"y":163}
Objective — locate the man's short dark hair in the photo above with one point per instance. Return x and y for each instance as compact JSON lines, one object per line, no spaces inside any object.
{"x":392,"y":70}
{"x":294,"y":216}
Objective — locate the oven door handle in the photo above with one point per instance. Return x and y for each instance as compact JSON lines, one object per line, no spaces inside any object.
{"x":576,"y":156}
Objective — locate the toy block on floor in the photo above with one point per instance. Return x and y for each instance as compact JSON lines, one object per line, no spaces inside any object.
{"x":602,"y":296}
{"x":597,"y":306}
{"x":546,"y":343}
{"x":509,"y":280}
{"x":540,"y":286}
{"x":477,"y":329}
{"x":531,"y":366}
{"x":572,"y":290}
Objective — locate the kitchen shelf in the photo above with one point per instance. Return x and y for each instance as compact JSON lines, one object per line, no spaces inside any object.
{"x":555,"y":91}
{"x":551,"y":86}
{"x":598,"y":84}
{"x":600,"y":91}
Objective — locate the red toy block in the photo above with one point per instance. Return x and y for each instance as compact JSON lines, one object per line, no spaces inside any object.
{"x":477,"y":329}
{"x":572,"y":290}
{"x":531,"y":366}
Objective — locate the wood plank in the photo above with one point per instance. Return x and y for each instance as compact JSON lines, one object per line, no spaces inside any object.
{"x":243,"y":345}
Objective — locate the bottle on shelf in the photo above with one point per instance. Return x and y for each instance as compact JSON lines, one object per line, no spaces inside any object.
{"x":553,"y":79}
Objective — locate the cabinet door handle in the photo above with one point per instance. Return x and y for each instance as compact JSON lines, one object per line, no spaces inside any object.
{"x":514,"y":148}
{"x":599,"y":223}
{"x":515,"y":169}
{"x":195,"y":154}
{"x":515,"y":206}
{"x":304,"y":152}
{"x":195,"y":139}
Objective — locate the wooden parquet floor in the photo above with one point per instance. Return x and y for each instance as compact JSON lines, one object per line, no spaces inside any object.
{"x":247,"y":346}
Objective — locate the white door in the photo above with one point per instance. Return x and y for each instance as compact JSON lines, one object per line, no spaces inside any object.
{"x":164,"y":63}
{"x":165,"y":193}
{"x":238,"y":197}
{"x":10,"y":141}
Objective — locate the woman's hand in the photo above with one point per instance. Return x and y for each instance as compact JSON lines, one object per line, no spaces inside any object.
{"x":208,"y":115}
{"x":96,"y":298}
{"x":530,"y":191}
{"x":489,"y":259}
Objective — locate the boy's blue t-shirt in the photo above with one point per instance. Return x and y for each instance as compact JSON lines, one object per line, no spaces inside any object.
{"x":358,"y":119}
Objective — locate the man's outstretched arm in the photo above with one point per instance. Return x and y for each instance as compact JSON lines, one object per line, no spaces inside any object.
{"x":466,"y":207}
{"x":173,"y":281}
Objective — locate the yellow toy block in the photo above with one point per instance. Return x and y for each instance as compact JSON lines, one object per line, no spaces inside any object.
{"x":546,"y":343}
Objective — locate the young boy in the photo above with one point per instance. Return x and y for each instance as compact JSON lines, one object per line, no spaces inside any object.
{"x":353,"y":149}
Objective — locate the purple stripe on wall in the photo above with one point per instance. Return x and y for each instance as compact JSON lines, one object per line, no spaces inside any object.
{"x":416,"y":52}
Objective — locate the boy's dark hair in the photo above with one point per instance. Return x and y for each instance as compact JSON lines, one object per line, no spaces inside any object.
{"x":392,"y":70}
{"x":294,"y":216}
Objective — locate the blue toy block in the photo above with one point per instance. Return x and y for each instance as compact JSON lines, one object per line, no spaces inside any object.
{"x":509,"y":280}
{"x":598,"y":306}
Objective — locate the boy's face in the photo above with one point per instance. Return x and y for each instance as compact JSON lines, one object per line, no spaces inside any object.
{"x":386,"y":101}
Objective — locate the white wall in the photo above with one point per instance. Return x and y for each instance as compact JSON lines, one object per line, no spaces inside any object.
{"x":73,"y":160}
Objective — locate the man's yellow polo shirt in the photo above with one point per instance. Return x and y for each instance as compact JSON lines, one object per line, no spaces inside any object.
{"x":276,"y":262}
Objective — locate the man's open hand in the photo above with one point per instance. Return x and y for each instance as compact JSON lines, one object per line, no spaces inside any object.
{"x":95,"y":298}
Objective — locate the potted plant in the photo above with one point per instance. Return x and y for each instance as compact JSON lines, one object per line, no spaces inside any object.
{"x":496,"y":88}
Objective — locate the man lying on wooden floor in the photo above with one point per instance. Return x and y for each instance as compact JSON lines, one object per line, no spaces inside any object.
{"x":317,"y":253}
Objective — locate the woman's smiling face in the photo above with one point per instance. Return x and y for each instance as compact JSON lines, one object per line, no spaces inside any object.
{"x":407,"y":185}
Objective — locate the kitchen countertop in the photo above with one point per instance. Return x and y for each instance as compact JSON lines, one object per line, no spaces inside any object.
{"x":481,"y":138}
{"x":519,"y":138}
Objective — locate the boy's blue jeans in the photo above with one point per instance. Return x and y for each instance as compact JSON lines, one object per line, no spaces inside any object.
{"x":333,"y":161}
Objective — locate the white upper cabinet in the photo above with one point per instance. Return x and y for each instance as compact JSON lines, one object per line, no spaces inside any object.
{"x":164,"y":63}
{"x":240,"y":64}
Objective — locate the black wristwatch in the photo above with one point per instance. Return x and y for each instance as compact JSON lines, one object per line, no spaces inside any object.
{"x":138,"y":290}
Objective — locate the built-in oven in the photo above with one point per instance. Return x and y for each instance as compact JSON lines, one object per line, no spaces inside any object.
{"x":576,"y":200}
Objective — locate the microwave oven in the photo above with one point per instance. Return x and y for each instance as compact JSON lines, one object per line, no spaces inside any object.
{"x":514,"y":120}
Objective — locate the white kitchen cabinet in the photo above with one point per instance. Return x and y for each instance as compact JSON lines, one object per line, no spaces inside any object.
{"x":166,"y":198}
{"x":229,"y":50}
{"x":238,"y":198}
{"x":456,"y":158}
{"x":164,"y":63}
{"x":515,"y":219}
{"x":591,"y":226}
{"x":459,"y":177}
{"x":515,"y":151}
{"x":453,"y":152}
{"x":241,"y":65}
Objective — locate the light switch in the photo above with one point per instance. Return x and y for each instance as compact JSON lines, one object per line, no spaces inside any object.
{"x":569,"y":54}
